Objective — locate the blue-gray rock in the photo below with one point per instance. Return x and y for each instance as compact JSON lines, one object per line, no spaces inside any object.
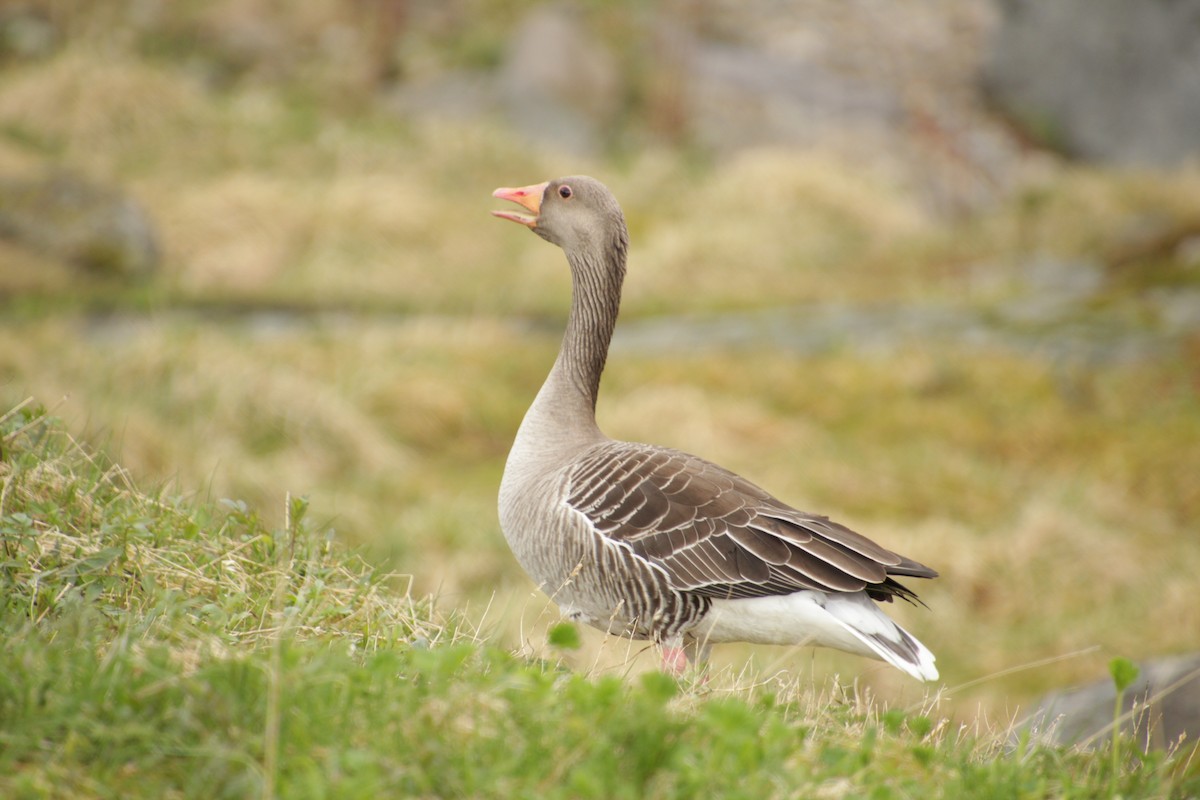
{"x":1112,"y":81}
{"x":559,"y":83}
{"x":742,"y":97}
{"x":65,"y":217}
{"x":1164,"y":701}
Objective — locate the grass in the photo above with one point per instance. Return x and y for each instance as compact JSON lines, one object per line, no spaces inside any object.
{"x":162,"y":648}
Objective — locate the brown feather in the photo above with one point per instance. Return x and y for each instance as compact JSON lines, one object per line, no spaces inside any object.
{"x":717,"y":534}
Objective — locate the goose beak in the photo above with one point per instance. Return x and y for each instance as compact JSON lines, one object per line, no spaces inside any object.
{"x":528,"y":196}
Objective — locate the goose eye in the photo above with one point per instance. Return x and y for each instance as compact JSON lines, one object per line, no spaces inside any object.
{"x":565,"y":192}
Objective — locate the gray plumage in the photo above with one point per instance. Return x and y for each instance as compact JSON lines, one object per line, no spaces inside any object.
{"x":655,"y":543}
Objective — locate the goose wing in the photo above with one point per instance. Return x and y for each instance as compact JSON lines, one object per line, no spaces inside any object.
{"x":716,"y":534}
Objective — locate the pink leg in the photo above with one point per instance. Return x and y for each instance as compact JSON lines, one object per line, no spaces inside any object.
{"x":675,"y":660}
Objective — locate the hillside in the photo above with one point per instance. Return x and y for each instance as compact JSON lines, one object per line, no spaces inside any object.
{"x":161,"y":648}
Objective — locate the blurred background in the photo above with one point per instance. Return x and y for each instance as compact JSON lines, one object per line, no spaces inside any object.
{"x":931,"y":267}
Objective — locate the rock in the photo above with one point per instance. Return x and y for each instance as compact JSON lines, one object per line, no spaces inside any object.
{"x":1104,"y":80}
{"x":460,"y":95}
{"x":27,"y":32}
{"x":558,"y":82}
{"x":1166,"y":697}
{"x":742,"y":97}
{"x":890,"y":86}
{"x":63,"y":216}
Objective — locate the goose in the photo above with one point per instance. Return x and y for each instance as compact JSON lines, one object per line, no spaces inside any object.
{"x":654,"y":543}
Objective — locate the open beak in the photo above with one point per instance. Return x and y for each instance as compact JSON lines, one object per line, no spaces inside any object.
{"x":528,"y":196}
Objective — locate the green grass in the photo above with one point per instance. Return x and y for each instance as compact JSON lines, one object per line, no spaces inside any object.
{"x":162,"y":648}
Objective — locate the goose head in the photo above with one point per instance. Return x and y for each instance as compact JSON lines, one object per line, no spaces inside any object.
{"x":577,"y":213}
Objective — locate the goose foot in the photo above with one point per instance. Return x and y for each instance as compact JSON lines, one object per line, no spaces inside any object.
{"x":675,"y":660}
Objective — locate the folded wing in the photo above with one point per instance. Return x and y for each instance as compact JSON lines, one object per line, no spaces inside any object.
{"x":718,"y":535}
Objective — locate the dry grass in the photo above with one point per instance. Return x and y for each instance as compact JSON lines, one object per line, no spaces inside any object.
{"x":103,"y":110}
{"x":795,"y":221}
{"x":164,"y":552}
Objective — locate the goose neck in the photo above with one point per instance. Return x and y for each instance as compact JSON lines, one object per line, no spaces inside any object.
{"x":595,"y":302}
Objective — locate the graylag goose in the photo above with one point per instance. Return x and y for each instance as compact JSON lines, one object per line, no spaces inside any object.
{"x":657,"y":544}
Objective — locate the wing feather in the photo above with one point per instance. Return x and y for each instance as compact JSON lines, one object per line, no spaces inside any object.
{"x":716,"y":534}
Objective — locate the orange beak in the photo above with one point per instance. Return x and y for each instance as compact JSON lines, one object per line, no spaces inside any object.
{"x":528,"y":196}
